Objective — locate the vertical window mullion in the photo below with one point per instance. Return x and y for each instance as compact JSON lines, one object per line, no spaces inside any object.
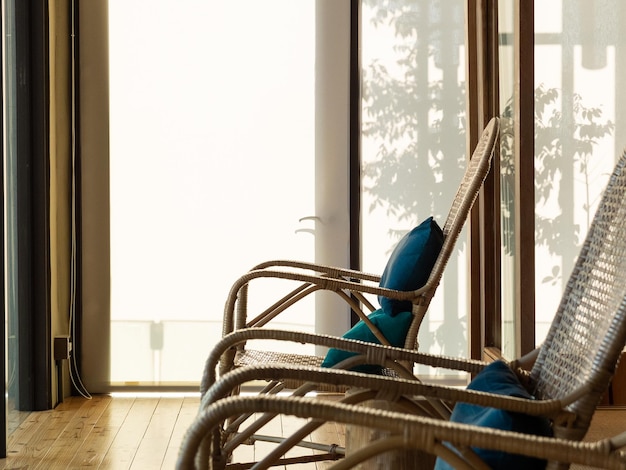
{"x":524,"y":177}
{"x":483,"y":101}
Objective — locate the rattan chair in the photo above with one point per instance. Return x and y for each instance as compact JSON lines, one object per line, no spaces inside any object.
{"x":407,"y":432}
{"x":352,"y":286}
{"x":567,"y":376}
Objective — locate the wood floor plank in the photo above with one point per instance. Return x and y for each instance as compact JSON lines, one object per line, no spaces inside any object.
{"x":75,"y":432}
{"x":96,"y":445}
{"x":188,"y":412}
{"x":18,"y":443}
{"x":153,"y":446}
{"x":14,"y":417}
{"x":31,"y":426}
{"x":122,"y":450}
{"x":34,"y":451}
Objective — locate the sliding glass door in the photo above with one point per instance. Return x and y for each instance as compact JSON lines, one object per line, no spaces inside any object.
{"x":414,"y":144}
{"x":224,"y":150}
{"x":575,"y":134}
{"x":212,"y":167}
{"x":579,"y":131}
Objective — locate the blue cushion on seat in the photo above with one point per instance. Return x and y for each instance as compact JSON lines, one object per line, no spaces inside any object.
{"x":393,"y":328}
{"x":410,"y":264}
{"x":498,"y":378}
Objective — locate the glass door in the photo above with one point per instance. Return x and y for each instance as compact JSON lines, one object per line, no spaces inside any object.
{"x":579,"y":132}
{"x":212,"y":170}
{"x":414,"y":144}
{"x":575,"y":142}
{"x":224,"y":143}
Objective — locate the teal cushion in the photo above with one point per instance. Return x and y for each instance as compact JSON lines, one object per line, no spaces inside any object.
{"x":498,"y":378}
{"x":393,"y":328}
{"x":410,"y":264}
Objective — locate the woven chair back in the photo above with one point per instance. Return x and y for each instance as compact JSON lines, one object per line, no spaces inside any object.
{"x":588,"y":332}
{"x":473,"y":179}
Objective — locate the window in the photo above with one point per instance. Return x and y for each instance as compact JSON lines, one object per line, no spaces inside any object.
{"x":414,"y":144}
{"x":578,"y":132}
{"x":211,"y":169}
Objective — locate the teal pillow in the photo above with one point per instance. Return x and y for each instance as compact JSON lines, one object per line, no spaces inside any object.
{"x":393,"y":328}
{"x":410,"y":264}
{"x":498,"y":378}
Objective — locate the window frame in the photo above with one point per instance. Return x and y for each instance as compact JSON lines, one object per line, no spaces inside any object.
{"x":485,"y":265}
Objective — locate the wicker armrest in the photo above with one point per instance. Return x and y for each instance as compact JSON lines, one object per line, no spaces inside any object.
{"x":375,"y":353}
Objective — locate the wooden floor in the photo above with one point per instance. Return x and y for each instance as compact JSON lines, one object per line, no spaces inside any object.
{"x":145,"y":433}
{"x":103,"y":432}
{"x":121,"y":433}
